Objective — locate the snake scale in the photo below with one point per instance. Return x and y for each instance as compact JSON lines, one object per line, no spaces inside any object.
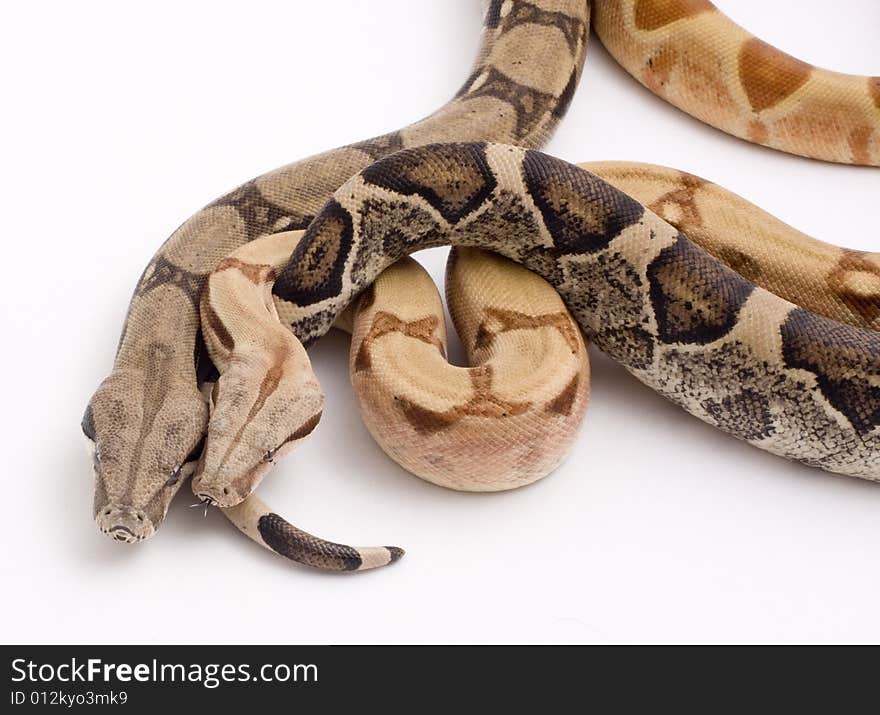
{"x":721,"y":325}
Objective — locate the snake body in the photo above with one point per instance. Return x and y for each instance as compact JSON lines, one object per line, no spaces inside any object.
{"x":695,"y":57}
{"x":146,"y":421}
{"x":770,"y":372}
{"x":800,"y":383}
{"x":795,"y":382}
{"x":506,"y":420}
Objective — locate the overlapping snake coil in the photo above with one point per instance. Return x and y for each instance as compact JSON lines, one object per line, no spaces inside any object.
{"x":745,"y":322}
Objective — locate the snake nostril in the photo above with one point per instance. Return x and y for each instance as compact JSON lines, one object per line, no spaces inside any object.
{"x":226,"y":490}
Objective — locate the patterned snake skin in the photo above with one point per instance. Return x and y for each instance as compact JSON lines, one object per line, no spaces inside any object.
{"x":783,"y":378}
{"x":694,"y":57}
{"x":503,"y":422}
{"x":809,"y":273}
{"x":146,"y":421}
{"x":507,"y":420}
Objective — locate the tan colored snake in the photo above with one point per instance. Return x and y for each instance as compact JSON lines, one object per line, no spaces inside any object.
{"x":525,"y":75}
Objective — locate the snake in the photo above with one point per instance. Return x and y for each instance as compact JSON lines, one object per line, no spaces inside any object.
{"x":695,"y":57}
{"x":504,"y":421}
{"x":772,"y":340}
{"x":146,"y":422}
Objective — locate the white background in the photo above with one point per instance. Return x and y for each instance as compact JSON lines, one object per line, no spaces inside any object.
{"x":122,"y":119}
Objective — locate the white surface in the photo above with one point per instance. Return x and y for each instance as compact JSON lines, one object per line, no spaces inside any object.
{"x":121,"y":119}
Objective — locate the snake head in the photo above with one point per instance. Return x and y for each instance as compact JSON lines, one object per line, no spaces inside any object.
{"x":144,"y":435}
{"x":264,"y":404}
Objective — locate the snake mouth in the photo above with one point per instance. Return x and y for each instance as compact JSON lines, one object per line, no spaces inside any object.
{"x":124,"y":524}
{"x":123,"y":533}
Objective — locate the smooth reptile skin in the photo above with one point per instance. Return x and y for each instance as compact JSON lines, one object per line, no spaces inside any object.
{"x":505,"y":421}
{"x":741,"y":358}
{"x":839,"y":283}
{"x":146,"y":421}
{"x":796,"y":383}
{"x":695,"y":57}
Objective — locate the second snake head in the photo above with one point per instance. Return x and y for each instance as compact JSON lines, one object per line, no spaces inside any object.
{"x":263,"y":405}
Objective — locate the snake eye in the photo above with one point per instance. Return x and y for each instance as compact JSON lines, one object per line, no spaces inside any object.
{"x":88,"y":424}
{"x":174,"y":477}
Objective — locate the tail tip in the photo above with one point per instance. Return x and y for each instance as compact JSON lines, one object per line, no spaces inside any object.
{"x":396,"y":553}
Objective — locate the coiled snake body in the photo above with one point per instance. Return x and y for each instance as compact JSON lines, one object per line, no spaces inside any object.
{"x":788,"y":379}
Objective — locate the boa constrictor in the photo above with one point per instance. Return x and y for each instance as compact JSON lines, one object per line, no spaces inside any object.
{"x":505,"y":422}
{"x":797,"y":377}
{"x":146,"y":422}
{"x":695,"y":57}
{"x":142,"y":438}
